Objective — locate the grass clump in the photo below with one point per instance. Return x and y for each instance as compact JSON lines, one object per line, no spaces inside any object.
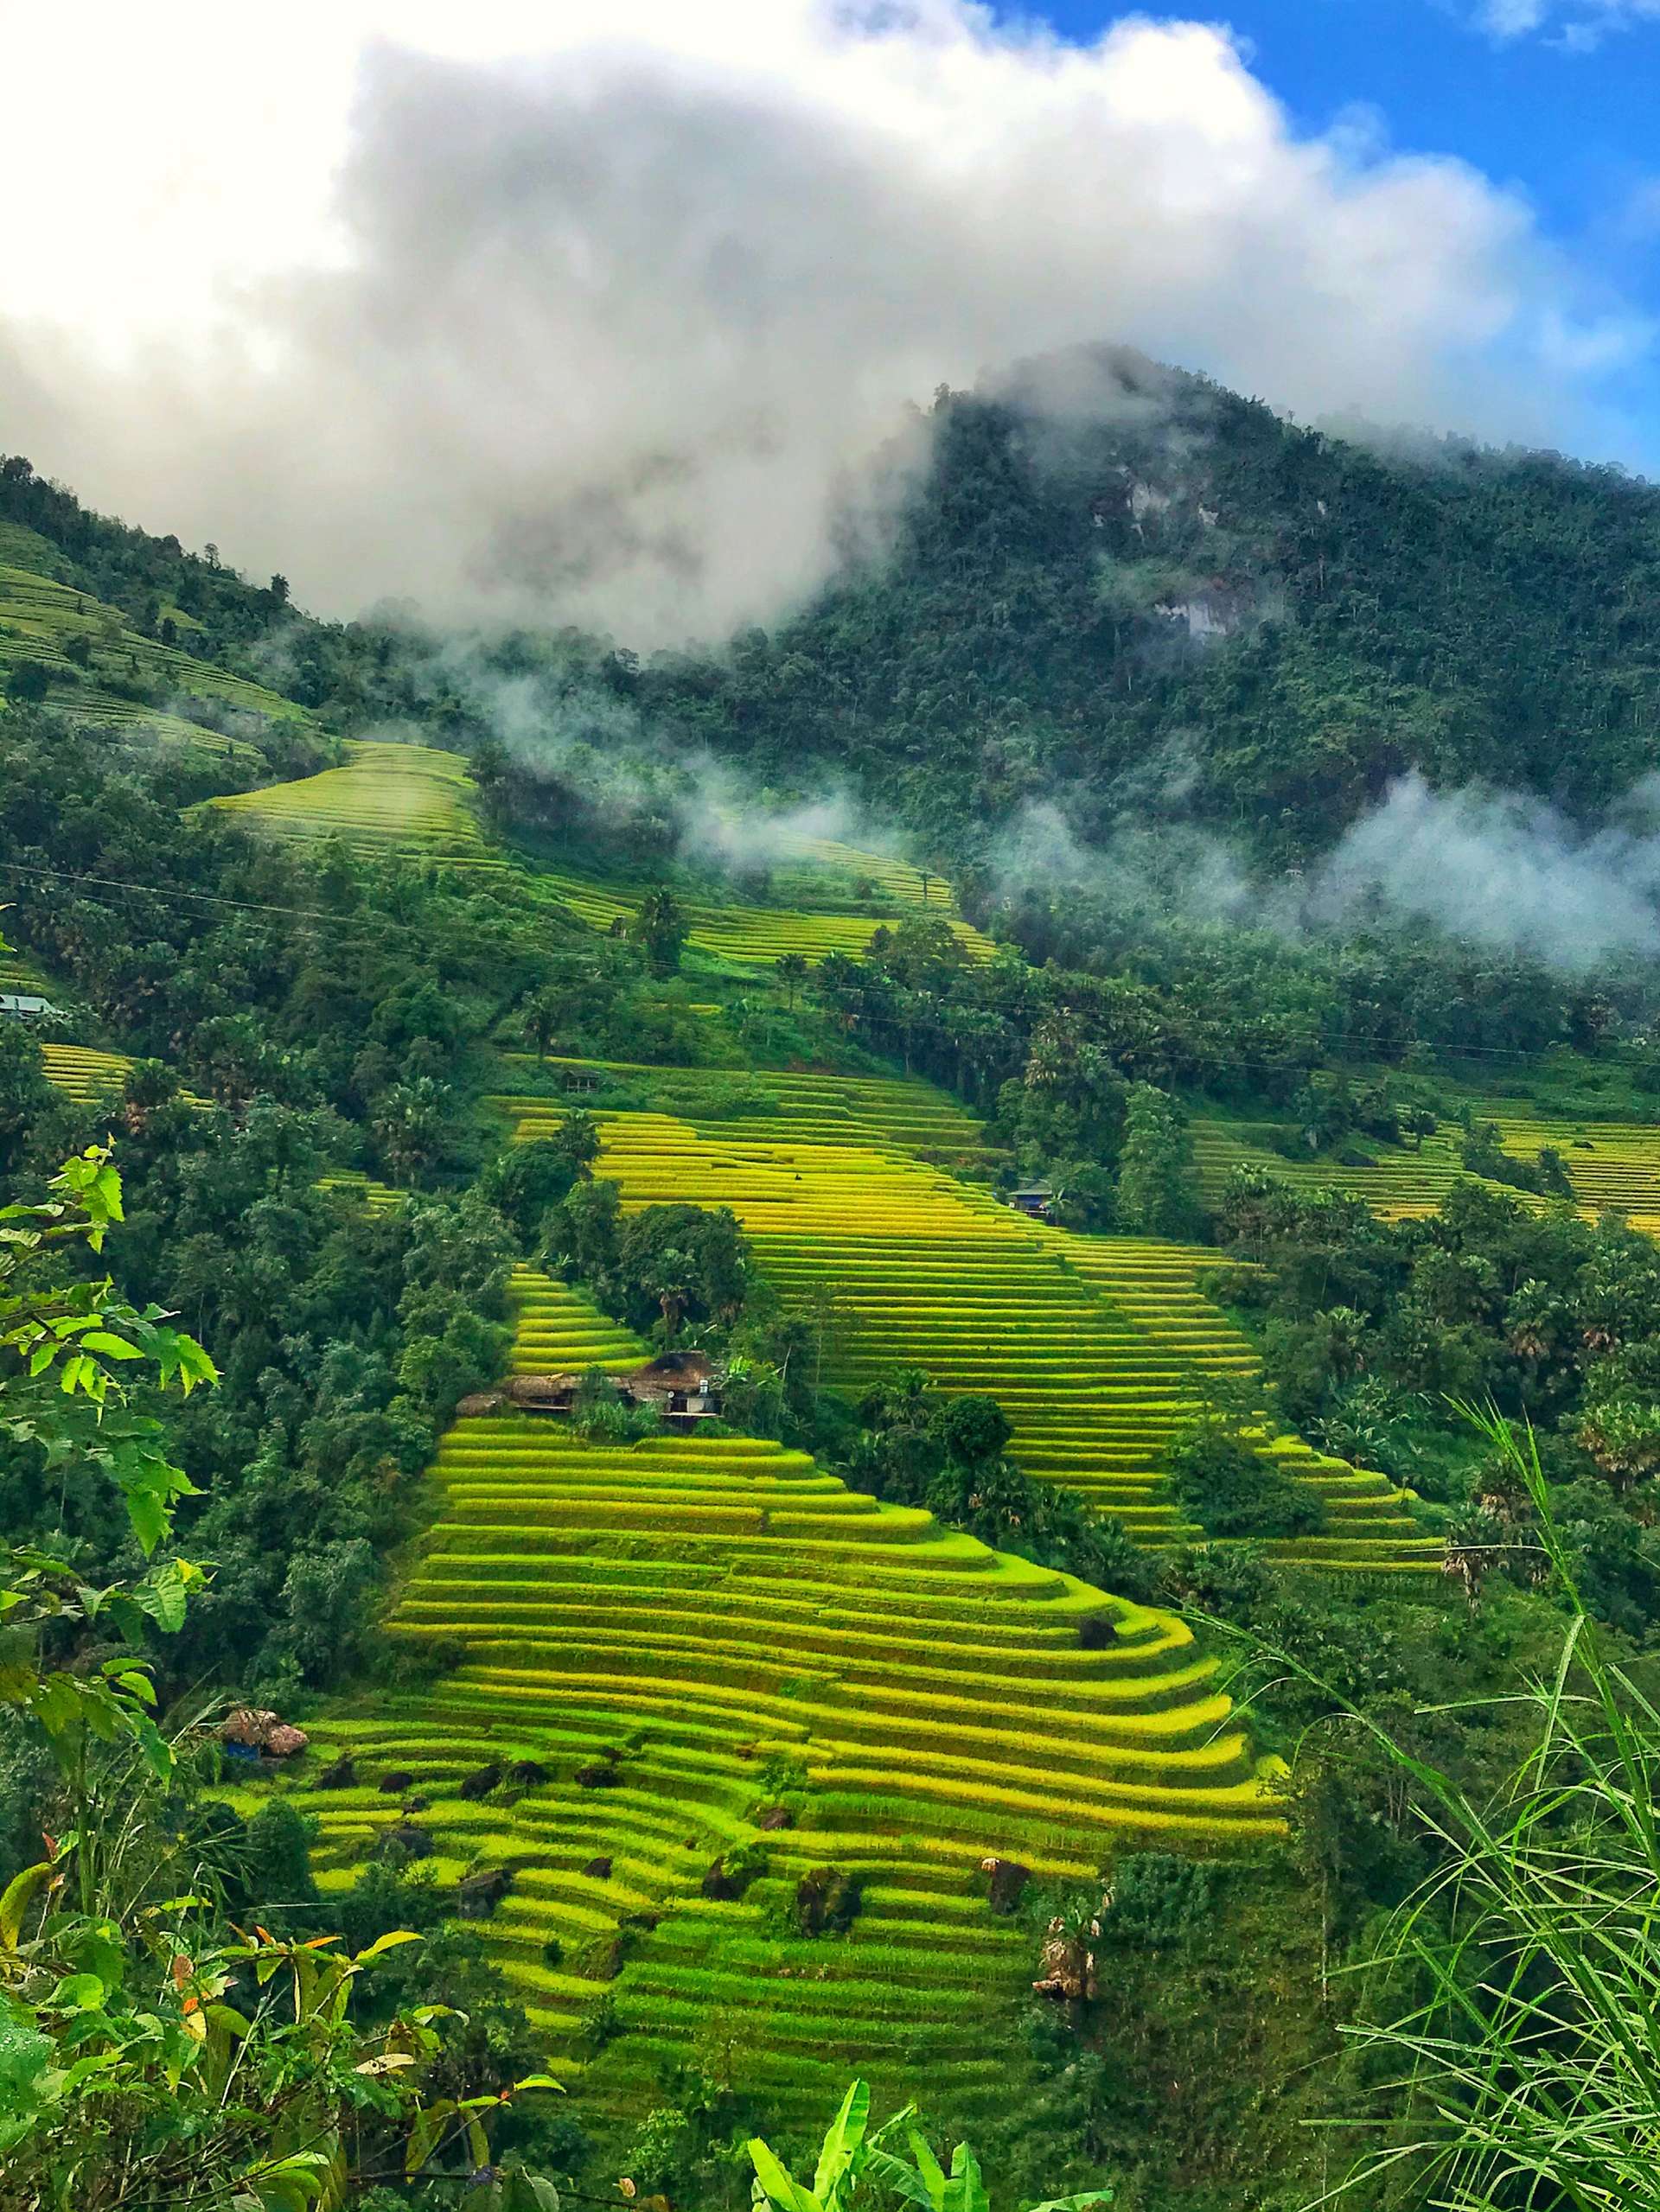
{"x":1508,"y":2011}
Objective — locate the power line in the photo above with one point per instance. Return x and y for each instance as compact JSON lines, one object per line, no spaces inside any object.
{"x":341,"y":923}
{"x":172,"y":892}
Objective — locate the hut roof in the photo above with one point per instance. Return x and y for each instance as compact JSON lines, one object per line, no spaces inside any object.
{"x":683,"y":1370}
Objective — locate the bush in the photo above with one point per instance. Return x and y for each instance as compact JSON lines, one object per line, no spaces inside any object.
{"x":603,"y":1415}
{"x":1230,"y":1489}
{"x":1232,"y":1581}
{"x":277,"y":1859}
{"x":1158,"y":1899}
{"x":827,"y":1901}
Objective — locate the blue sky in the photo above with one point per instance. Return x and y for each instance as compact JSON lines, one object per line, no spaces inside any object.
{"x":1569,"y":117}
{"x":1564,"y":107}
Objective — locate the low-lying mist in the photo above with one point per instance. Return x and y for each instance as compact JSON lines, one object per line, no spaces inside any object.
{"x":1499,"y":869}
{"x":1502,"y":871}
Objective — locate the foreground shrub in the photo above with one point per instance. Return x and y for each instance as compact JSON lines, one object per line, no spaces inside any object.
{"x":853,"y":2158}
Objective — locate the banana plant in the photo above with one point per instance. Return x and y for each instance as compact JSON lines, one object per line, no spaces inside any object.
{"x":850,"y":2155}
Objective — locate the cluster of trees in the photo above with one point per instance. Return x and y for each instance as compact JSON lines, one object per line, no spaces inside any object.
{"x":349,"y":1334}
{"x":1372,"y":1332}
{"x":1062,"y":1059}
{"x":664,"y":1267}
{"x":914,"y":1446}
{"x":303,"y":1021}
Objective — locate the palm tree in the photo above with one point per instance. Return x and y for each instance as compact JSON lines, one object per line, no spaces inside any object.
{"x":541,"y":1020}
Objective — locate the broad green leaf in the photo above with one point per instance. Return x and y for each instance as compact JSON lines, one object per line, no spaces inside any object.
{"x":966,"y":2192}
{"x":841,"y":2142}
{"x":19,"y":1893}
{"x":782,"y":2189}
{"x":80,"y":1994}
{"x":149,"y":1518}
{"x":424,"y":2133}
{"x":384,"y":1943}
{"x":904,"y":2180}
{"x":169,"y":1586}
{"x":927,"y":2166}
{"x":113,"y":1347}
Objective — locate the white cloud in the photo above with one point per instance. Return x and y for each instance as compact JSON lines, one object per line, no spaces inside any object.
{"x":597,"y":310}
{"x":1502,"y":868}
{"x":1580,"y":26}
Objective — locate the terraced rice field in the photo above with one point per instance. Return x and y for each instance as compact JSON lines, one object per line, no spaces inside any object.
{"x":418,"y":799}
{"x":376,"y":1195}
{"x":85,"y":1076}
{"x":1406,"y":1180}
{"x":712,"y":1627}
{"x":903,"y":1113}
{"x":814,"y":865}
{"x":18,"y":973}
{"x":40,"y":615}
{"x":1095,"y":1348}
{"x":1613,"y":1165}
{"x":747,"y":936}
{"x":409,"y":799}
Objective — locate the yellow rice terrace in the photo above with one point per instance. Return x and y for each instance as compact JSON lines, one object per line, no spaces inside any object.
{"x":698,"y":1680}
{"x":1096,"y":1349}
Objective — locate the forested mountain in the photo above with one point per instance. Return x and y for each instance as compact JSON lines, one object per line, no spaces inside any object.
{"x":1130,"y":587}
{"x":1111,"y":581}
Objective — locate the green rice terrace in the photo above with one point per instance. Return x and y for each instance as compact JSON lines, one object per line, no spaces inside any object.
{"x":746,"y":935}
{"x":1095,"y":1348}
{"x":111,"y":675}
{"x":1611,"y":1165}
{"x":693,"y":1673}
{"x":83,"y":1073}
{"x":413,"y":800}
{"x":420,"y":801}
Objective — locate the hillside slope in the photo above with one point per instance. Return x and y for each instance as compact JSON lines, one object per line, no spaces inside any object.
{"x":62,"y":647}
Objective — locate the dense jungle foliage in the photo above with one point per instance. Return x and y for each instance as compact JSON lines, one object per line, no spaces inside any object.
{"x":1119,"y":585}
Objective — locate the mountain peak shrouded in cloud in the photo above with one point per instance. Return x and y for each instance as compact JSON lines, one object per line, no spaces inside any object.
{"x":603,"y":317}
